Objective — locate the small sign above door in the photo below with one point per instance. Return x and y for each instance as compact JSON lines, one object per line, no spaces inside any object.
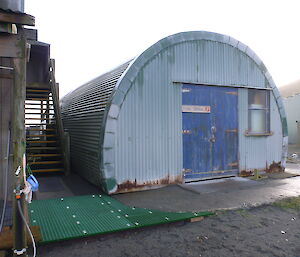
{"x":196,"y":108}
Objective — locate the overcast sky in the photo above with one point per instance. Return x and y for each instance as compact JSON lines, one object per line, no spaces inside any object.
{"x":91,"y":37}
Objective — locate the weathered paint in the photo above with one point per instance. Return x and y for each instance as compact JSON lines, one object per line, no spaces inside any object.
{"x":258,"y":152}
{"x":141,"y":132}
{"x":132,"y":186}
{"x":210,"y":150}
{"x":148,"y":148}
{"x":274,"y":167}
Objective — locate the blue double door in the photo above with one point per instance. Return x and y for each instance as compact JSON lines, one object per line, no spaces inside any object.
{"x":210,"y":131}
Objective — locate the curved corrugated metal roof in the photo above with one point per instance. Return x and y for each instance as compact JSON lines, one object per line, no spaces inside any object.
{"x":82,"y":114}
{"x":290,"y":89}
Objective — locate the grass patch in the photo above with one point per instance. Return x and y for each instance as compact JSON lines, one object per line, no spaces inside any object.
{"x":259,"y":177}
{"x":288,"y":203}
{"x":243,"y":213}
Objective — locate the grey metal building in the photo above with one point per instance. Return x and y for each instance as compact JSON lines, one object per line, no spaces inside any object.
{"x":291,"y":100}
{"x":195,"y":105}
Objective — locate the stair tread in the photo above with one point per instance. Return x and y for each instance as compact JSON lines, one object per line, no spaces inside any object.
{"x":51,"y":135}
{"x":41,"y":141}
{"x":43,"y":148}
{"x":44,"y":162}
{"x":38,"y":93}
{"x":38,"y":129}
{"x":30,"y":108}
{"x":38,"y":99}
{"x":48,"y":170}
{"x":37,"y":124}
{"x":36,"y":104}
{"x":39,"y":113}
{"x":44,"y":155}
{"x":37,"y":90}
{"x":39,"y":118}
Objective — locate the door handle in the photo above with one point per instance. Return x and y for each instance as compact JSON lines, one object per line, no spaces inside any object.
{"x":213,"y":130}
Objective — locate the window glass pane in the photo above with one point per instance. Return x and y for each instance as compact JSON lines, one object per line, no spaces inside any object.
{"x":258,"y":111}
{"x":258,"y":121}
{"x":257,"y":99}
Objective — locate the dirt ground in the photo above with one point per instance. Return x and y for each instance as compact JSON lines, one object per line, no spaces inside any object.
{"x":268,"y":230}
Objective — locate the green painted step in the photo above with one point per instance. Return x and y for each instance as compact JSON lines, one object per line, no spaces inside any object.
{"x":81,"y":216}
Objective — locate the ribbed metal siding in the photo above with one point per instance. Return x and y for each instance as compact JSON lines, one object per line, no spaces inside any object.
{"x":148,"y":138}
{"x":258,"y":152}
{"x":82,"y":114}
{"x":214,"y":63}
{"x":148,"y":141}
{"x":291,"y":105}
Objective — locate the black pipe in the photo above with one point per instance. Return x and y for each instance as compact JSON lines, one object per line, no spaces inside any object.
{"x":19,"y":225}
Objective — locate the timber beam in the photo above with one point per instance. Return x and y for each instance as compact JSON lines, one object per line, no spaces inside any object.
{"x":17,"y":18}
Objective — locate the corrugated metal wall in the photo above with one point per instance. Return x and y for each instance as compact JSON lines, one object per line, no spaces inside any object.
{"x":291,"y":105}
{"x":214,"y":63}
{"x":82,"y":113}
{"x":148,"y":138}
{"x":258,"y":152}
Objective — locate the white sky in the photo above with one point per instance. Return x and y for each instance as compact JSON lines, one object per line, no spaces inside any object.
{"x":91,"y":37}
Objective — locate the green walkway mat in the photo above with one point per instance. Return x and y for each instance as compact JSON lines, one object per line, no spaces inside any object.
{"x":80,"y":216}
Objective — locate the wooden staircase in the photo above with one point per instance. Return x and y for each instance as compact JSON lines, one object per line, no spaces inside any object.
{"x":44,"y":136}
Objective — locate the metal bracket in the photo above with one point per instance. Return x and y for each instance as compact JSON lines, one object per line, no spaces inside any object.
{"x":18,"y":171}
{"x":20,"y":252}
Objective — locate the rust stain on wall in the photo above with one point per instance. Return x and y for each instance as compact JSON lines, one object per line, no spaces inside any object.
{"x":246,"y":173}
{"x":275,"y":167}
{"x":134,"y":185}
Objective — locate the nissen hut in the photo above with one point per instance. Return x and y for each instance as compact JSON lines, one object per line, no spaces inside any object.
{"x":195,"y":105}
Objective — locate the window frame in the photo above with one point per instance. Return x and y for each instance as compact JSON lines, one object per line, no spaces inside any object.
{"x":265,"y":109}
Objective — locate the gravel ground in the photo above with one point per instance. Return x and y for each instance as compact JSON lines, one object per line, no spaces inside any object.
{"x":262,"y":231}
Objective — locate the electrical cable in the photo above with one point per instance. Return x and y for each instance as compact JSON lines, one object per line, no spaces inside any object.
{"x":28,"y":229}
{"x":5,"y":181}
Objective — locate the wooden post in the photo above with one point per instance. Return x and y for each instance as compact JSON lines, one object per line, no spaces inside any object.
{"x":18,"y":141}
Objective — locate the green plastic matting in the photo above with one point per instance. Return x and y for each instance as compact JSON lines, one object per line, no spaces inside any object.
{"x":80,"y":216}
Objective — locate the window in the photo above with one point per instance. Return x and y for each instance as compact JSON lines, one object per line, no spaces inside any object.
{"x":258,"y":111}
